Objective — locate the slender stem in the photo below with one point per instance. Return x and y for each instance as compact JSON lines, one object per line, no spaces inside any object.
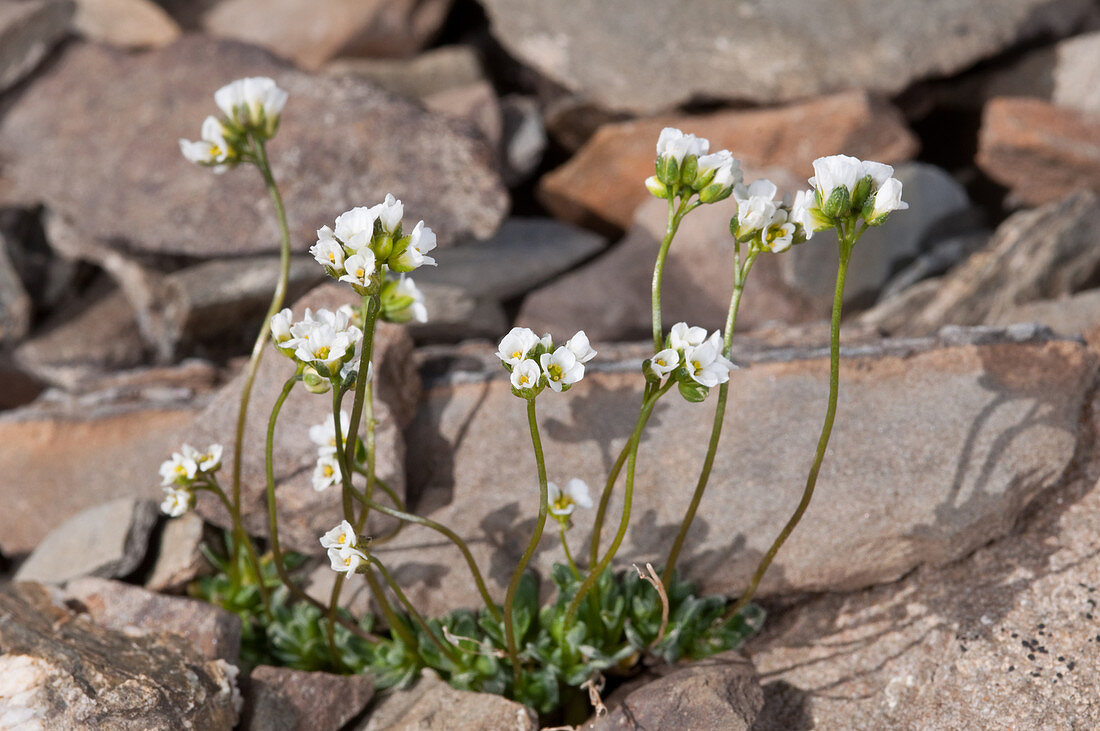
{"x":510,"y":596}
{"x":239,"y":536}
{"x":396,"y":624}
{"x":397,"y":501}
{"x":605,"y":497}
{"x":826,"y":428}
{"x":368,"y":417}
{"x":277,"y":299}
{"x":594,"y":572}
{"x":273,"y":521}
{"x":396,"y":588}
{"x":719,"y":417}
{"x":341,"y":446}
{"x":448,"y":533}
{"x":675,"y":215}
{"x":371,"y":307}
{"x":565,"y":547}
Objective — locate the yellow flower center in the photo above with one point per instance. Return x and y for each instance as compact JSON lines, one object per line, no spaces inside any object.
{"x":329,"y":472}
{"x":554,"y":371}
{"x":697,"y":366}
{"x":563,"y":503}
{"x":342,"y":538}
{"x":347,"y":561}
{"x":321,"y":352}
{"x":660,"y":362}
{"x":517,"y":354}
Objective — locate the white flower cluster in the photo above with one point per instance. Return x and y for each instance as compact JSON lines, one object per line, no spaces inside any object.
{"x":535,"y":363}
{"x":684,"y":167}
{"x":183,"y":472}
{"x":691,"y":357}
{"x":327,"y":471}
{"x":367,"y":241}
{"x":327,"y":343}
{"x":564,"y":502}
{"x":764,"y":222}
{"x":344,"y":552}
{"x":846,"y":188}
{"x":249,"y":106}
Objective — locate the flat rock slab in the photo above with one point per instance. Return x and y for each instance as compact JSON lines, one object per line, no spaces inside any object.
{"x":341,"y":143}
{"x":281,"y":699}
{"x":938,"y":446}
{"x":1034,"y":255}
{"x":1077,"y":73}
{"x":304,"y":514}
{"x":609,"y":298}
{"x":1007,"y":638}
{"x":213,"y":631}
{"x":720,"y":692}
{"x":432,"y":705}
{"x":107,"y":540}
{"x":603,"y":182}
{"x":60,"y":670}
{"x":645,"y":62}
{"x":1041,"y":151}
{"x":64,"y":455}
{"x":178,"y":557}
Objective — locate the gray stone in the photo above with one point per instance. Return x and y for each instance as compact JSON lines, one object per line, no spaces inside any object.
{"x":523,"y":138}
{"x":179,"y":560}
{"x":213,"y":631}
{"x":125,"y":23}
{"x":60,"y":670}
{"x":313,"y":33}
{"x":454,"y":314}
{"x":1070,"y":315}
{"x":646,"y":62}
{"x":523,"y":254}
{"x":969,"y":427}
{"x":419,"y":77}
{"x":107,"y":540}
{"x":944,"y":254}
{"x":1040,"y":151}
{"x":609,"y":298}
{"x":1039,"y":254}
{"x":68,"y":452}
{"x":1005,"y":638}
{"x":16,"y":307}
{"x":281,"y":699}
{"x":1077,"y":73}
{"x":432,"y":705}
{"x":325,"y":156}
{"x":933,"y":197}
{"x":720,"y":692}
{"x":304,"y":513}
{"x":29,"y":29}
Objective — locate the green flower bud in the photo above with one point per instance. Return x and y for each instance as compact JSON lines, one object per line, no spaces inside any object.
{"x":314,"y":381}
{"x":382,"y":246}
{"x":714,"y":193}
{"x":861,"y":193}
{"x":656,"y":187}
{"x":668,"y":172}
{"x":689,"y":169}
{"x":692,"y":391}
{"x":839,"y":204}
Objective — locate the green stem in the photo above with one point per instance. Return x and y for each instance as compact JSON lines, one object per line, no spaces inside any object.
{"x":449,"y":534}
{"x":675,"y":215}
{"x":719,"y":416}
{"x":568,"y":555}
{"x":510,"y":596}
{"x":239,"y":536}
{"x":396,"y":588}
{"x":594,"y":572}
{"x":273,"y":521}
{"x":826,"y":428}
{"x":369,"y":444}
{"x":396,"y":625}
{"x":609,"y":486}
{"x":371,"y":307}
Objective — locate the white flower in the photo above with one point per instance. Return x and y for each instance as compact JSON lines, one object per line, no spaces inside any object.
{"x":887,"y":199}
{"x":355,"y":228}
{"x":779,"y":234}
{"x":208,"y":461}
{"x":755,"y":206}
{"x":564,"y":502}
{"x":561,"y":368}
{"x":359,"y":268}
{"x":176,"y":501}
{"x":212,"y":149}
{"x":346,"y":560}
{"x":665,"y":361}
{"x":421,"y":241}
{"x":326,"y":472}
{"x":515,"y":346}
{"x":727,"y":170}
{"x":683,"y":336}
{"x":322,"y":344}
{"x":324,"y":435}
{"x":800,"y":212}
{"x":342,"y":536}
{"x":417,"y":311}
{"x":255,"y":102}
{"x":327,"y":251}
{"x":675,"y":144}
{"x":280,"y":326}
{"x":179,"y":468}
{"x":837,"y":171}
{"x":546,"y":341}
{"x":706,"y":365}
{"x":389,"y":212}
{"x":352,"y":365}
{"x":879,"y":172}
{"x":525,"y":375}
{"x":580,"y":347}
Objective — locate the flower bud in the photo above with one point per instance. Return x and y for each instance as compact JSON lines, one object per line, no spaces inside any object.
{"x":861,"y":192}
{"x":692,"y":391}
{"x":689,"y":169}
{"x":668,"y":171}
{"x":839,"y":203}
{"x":314,"y":381}
{"x":656,"y":187}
